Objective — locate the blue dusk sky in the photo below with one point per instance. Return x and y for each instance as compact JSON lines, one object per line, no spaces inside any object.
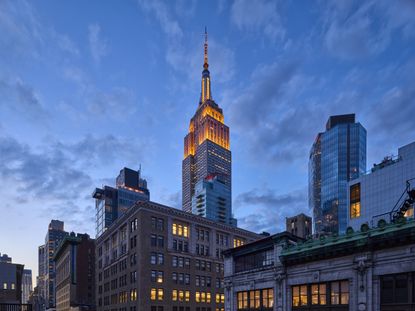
{"x":88,"y":87}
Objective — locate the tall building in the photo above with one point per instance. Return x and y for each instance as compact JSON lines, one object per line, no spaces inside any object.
{"x":54,"y":236}
{"x":10,"y":281}
{"x":337,"y":156}
{"x":75,"y":273}
{"x":111,"y":203}
{"x":211,"y":200}
{"x":158,"y":258}
{"x":27,"y":285}
{"x":206,"y":146}
{"x":383,"y":192}
{"x":299,"y":225}
{"x":41,"y":279}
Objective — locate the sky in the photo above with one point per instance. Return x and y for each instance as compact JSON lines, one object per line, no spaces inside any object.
{"x":88,"y":87}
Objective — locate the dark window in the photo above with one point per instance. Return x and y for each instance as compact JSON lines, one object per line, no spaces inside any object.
{"x":395,"y":289}
{"x":254,"y":260}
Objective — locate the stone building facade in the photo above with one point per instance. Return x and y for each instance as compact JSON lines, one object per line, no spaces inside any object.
{"x":160,"y":258}
{"x":372,"y":269}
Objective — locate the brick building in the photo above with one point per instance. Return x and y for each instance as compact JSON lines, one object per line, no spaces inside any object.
{"x":75,"y":273}
{"x":160,"y":258}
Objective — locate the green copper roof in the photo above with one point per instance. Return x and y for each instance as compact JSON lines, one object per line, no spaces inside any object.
{"x":385,"y":235}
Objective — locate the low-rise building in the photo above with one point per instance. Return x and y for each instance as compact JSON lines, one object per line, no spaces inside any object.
{"x":75,"y":273}
{"x":382,"y":192}
{"x":10,"y":281}
{"x":159,"y":258}
{"x":372,"y":269}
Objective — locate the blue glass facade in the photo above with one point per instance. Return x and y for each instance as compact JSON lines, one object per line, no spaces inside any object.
{"x":212,"y":199}
{"x":341,"y":158}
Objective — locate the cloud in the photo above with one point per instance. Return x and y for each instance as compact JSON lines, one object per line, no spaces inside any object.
{"x":168,"y":24}
{"x":56,"y":177}
{"x":357,"y":30}
{"x":17,"y":95}
{"x":171,"y":199}
{"x":25,"y":36}
{"x":66,"y":44}
{"x":102,"y":151}
{"x":43,"y":176}
{"x":258,"y":16}
{"x":272,"y":114}
{"x":271,"y":208}
{"x":188,"y":59}
{"x":97,"y":45}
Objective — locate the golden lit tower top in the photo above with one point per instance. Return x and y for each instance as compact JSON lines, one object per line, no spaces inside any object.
{"x":208,"y":121}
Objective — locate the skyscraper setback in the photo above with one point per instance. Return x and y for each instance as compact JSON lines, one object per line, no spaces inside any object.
{"x":207,"y":150}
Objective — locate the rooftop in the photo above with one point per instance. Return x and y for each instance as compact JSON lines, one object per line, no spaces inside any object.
{"x":383,"y":236}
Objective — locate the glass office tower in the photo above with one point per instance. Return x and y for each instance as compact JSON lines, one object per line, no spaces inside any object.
{"x":337,"y":156}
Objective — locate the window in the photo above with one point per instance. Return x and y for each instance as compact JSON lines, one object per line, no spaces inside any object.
{"x":220,"y":298}
{"x":204,"y":297}
{"x":160,"y":294}
{"x":238,"y":242}
{"x":153,"y":295}
{"x":355,"y":200}
{"x":133,"y":294}
{"x":153,"y":239}
{"x":320,"y":294}
{"x":254,"y":260}
{"x":153,"y":258}
{"x":160,"y":241}
{"x":340,"y":293}
{"x":160,"y":276}
{"x":160,"y":224}
{"x":396,"y":289}
{"x":134,"y":225}
{"x":133,"y":277}
{"x":157,"y":294}
{"x":157,"y":258}
{"x":180,"y":230}
{"x":4,"y":285}
{"x":253,"y":300}
{"x":299,"y":294}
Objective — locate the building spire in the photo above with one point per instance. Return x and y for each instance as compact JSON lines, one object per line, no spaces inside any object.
{"x":206,"y":64}
{"x":205,"y":94}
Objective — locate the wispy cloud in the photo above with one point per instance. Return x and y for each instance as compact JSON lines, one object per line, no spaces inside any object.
{"x":258,"y":16}
{"x":98,"y":46}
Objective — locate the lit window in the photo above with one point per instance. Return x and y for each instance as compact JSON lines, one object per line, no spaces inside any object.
{"x":160,"y":294}
{"x":180,"y":230}
{"x":174,"y":295}
{"x":238,"y":242}
{"x":355,"y":201}
{"x":153,"y":295}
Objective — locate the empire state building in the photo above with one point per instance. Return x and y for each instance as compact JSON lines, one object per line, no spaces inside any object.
{"x":206,"y":167}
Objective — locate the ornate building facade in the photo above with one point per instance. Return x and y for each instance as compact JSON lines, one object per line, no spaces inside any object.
{"x":206,"y":147}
